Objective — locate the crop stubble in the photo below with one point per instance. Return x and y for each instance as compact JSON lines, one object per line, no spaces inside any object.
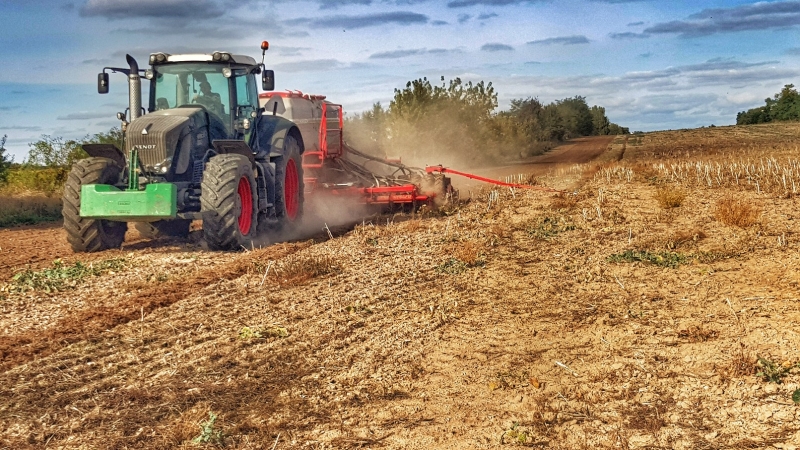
{"x":545,"y":343}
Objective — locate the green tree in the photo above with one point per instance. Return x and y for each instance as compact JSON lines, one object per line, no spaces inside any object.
{"x":5,"y":161}
{"x":753,"y":116}
{"x":449,"y":121}
{"x":576,"y":116}
{"x":600,"y":123}
{"x":420,"y":99}
{"x":786,"y":105}
{"x":783,"y":106}
{"x":616,"y":129}
{"x":50,"y":158}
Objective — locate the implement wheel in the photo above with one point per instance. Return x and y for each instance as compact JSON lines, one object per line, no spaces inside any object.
{"x":161,"y":228}
{"x":289,"y":187}
{"x":228,"y":202}
{"x":437,"y":185}
{"x":90,"y":235}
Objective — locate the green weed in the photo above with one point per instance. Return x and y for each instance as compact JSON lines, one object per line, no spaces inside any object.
{"x":208,"y":435}
{"x":515,"y":435}
{"x":61,"y":277}
{"x":452,"y":266}
{"x":773,"y":372}
{"x":548,"y":227}
{"x":663,"y":259}
{"x":466,"y":255}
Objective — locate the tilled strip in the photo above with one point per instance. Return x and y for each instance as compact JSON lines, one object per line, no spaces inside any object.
{"x":21,"y":348}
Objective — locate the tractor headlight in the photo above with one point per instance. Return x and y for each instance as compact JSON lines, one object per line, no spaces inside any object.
{"x":157,"y":58}
{"x":148,"y":74}
{"x":226,"y":72}
{"x":162,"y":167}
{"x":221,"y":56}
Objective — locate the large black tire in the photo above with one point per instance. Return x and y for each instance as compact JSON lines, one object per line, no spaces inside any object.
{"x":229,"y":202}
{"x":90,"y":235}
{"x":289,"y":196}
{"x":164,"y":228}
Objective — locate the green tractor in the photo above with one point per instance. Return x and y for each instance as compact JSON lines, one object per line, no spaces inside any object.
{"x":203,"y":150}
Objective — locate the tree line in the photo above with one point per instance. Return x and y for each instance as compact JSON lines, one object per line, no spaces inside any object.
{"x":783,"y":106}
{"x":457,"y":122}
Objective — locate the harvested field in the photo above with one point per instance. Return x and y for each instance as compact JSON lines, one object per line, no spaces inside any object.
{"x":636,"y":311}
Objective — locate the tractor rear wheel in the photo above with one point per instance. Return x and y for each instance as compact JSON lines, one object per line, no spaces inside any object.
{"x":164,"y":228}
{"x":289,"y":196}
{"x":83,"y":234}
{"x":228,"y":202}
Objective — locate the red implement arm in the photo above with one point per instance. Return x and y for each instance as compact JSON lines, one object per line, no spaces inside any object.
{"x":440,"y":169}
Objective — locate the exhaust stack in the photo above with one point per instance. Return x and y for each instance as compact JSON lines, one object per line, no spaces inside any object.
{"x":134,"y":88}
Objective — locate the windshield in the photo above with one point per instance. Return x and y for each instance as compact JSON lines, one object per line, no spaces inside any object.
{"x":192,"y":84}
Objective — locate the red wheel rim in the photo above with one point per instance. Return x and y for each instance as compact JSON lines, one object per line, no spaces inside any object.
{"x":291,"y":190}
{"x":246,"y":199}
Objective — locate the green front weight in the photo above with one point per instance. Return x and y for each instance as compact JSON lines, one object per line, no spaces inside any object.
{"x":102,"y":201}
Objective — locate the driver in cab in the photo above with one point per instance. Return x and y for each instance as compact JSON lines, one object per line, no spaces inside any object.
{"x":211,"y":100}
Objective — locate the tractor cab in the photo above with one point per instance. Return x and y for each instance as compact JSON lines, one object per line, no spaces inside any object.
{"x":219,"y":83}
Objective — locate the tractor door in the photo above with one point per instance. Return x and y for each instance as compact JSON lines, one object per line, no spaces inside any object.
{"x":246,"y":106}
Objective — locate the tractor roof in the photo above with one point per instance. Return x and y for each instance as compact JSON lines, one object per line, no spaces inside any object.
{"x":203,"y":57}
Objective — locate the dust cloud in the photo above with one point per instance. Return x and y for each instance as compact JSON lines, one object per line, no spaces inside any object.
{"x":446,"y":141}
{"x":323,"y":213}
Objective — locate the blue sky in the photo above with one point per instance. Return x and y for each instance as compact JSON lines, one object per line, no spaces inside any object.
{"x":653,"y":64}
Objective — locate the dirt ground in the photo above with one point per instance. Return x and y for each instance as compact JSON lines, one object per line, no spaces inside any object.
{"x":654,"y":306}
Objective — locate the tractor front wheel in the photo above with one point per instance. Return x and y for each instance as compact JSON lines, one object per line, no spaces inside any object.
{"x":229,"y":202}
{"x":83,"y":234}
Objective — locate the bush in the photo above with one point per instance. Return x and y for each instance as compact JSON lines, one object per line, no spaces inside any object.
{"x":670,"y":197}
{"x":732,"y":211}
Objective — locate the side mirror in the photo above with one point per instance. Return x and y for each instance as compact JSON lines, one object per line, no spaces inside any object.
{"x":102,"y":83}
{"x":268,"y":80}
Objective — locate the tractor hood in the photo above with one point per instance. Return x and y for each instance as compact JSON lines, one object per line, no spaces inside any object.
{"x":163,"y":139}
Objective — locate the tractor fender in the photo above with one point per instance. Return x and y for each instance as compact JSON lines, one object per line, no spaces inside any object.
{"x":109,"y":151}
{"x":272,"y":132}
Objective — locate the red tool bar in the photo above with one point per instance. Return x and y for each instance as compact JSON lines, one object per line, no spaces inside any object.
{"x":384,"y":195}
{"x":440,"y":169}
